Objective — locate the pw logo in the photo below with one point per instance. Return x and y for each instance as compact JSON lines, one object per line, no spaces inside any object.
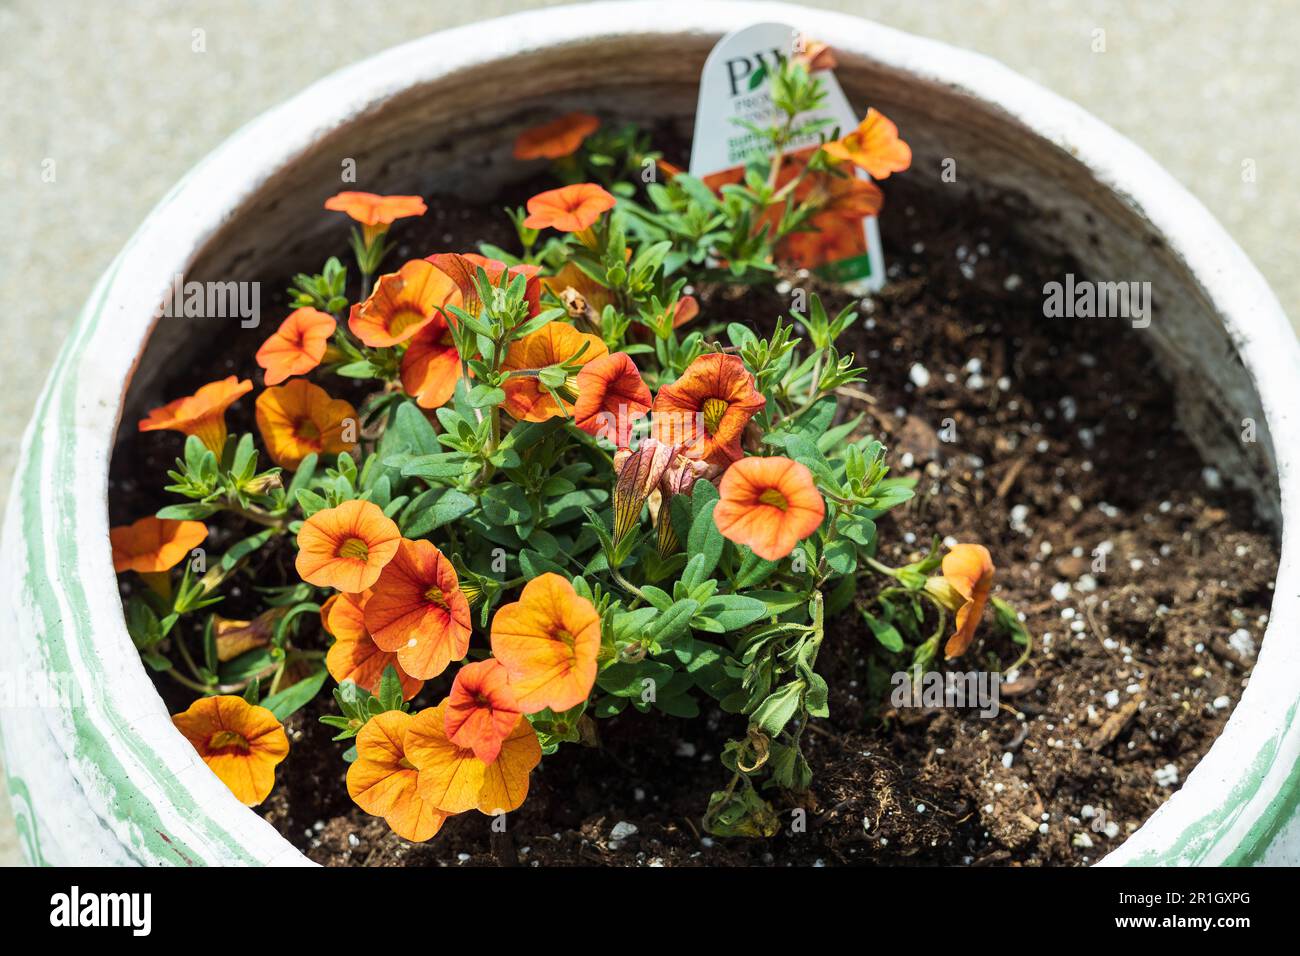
{"x":74,"y":908}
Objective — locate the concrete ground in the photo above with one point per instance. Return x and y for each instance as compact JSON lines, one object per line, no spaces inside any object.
{"x":112,"y":97}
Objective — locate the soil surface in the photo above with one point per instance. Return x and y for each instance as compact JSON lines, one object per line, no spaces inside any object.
{"x":1144,"y":581}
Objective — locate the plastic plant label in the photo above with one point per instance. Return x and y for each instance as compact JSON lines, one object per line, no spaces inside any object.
{"x":735,"y":86}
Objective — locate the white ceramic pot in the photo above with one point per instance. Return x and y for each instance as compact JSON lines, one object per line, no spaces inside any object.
{"x":106,"y":779}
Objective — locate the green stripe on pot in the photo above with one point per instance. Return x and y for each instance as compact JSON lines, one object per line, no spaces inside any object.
{"x":95,"y":741}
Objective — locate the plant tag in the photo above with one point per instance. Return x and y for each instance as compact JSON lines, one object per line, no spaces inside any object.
{"x":735,"y":86}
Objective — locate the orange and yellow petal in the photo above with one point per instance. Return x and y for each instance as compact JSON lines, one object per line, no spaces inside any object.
{"x":418,"y":610}
{"x":455,"y":780}
{"x":346,"y":547}
{"x":706,"y":410}
{"x":202,"y":414}
{"x":569,"y":208}
{"x":769,"y":505}
{"x":505,"y":780}
{"x":482,"y":708}
{"x":383,"y":782}
{"x":556,"y":139}
{"x":611,"y":397}
{"x":555,"y":343}
{"x":154,"y":544}
{"x":297,"y":346}
{"x":354,"y":655}
{"x":431,"y":366}
{"x":548,"y":641}
{"x":300,"y":419}
{"x":370,"y":209}
{"x":968,"y":568}
{"x":402,"y":303}
{"x":873,"y":146}
{"x":241,"y":742}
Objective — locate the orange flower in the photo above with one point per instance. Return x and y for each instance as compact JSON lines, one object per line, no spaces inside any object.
{"x":154,"y":544}
{"x":238,"y":637}
{"x":403,"y":302}
{"x":202,"y":414}
{"x":240,"y":742}
{"x":611,"y":396}
{"x":555,"y":343}
{"x":569,"y":208}
{"x":556,"y":139}
{"x":375,"y":213}
{"x":814,"y":54}
{"x":453,"y":779}
{"x":707,"y":409}
{"x":687,"y":309}
{"x":964,"y":588}
{"x":431,"y":365}
{"x":873,"y":146}
{"x":297,"y":346}
{"x":354,"y":655}
{"x":383,"y":781}
{"x":346,"y":547}
{"x":418,"y":610}
{"x":482,"y":709}
{"x":577,"y":290}
{"x":548,"y":641}
{"x":300,"y":418}
{"x":462,"y":268}
{"x":769,"y":504}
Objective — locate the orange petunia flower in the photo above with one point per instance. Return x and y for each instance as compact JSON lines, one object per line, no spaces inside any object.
{"x":462,"y":268}
{"x":300,"y":419}
{"x":873,"y":146}
{"x":611,"y":397}
{"x":241,"y":742}
{"x":482,"y":708}
{"x":354,"y":655}
{"x":346,"y":547}
{"x":453,"y":779}
{"x":556,"y":139}
{"x":418,"y":610}
{"x":383,"y":781}
{"x":578,"y":291}
{"x":555,"y":343}
{"x":431,"y":365}
{"x":769,"y":504}
{"x":403,"y":302}
{"x":548,"y":641}
{"x":297,"y":346}
{"x":202,"y":414}
{"x":963,"y":588}
{"x":151,"y":544}
{"x":569,"y":208}
{"x":375,"y":213}
{"x":706,"y":410}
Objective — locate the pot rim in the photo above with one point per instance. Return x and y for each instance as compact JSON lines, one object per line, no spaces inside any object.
{"x":1234,"y":804}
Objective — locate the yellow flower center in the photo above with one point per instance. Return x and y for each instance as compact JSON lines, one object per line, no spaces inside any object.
{"x":403,"y":319}
{"x":228,"y":740}
{"x":714,"y":409}
{"x":435,"y":596}
{"x":774,"y":498}
{"x":566,"y":637}
{"x":406,"y":764}
{"x":354,"y":548}
{"x":308,"y":431}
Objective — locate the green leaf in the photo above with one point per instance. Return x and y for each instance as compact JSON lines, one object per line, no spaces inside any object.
{"x":734,"y":611}
{"x":779,"y":708}
{"x":194,"y":511}
{"x":294,"y":698}
{"x":885,"y":633}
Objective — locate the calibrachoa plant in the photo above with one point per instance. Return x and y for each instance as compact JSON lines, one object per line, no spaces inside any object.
{"x":566,"y":493}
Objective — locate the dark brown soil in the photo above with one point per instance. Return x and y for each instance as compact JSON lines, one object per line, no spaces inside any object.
{"x":1065,"y":444}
